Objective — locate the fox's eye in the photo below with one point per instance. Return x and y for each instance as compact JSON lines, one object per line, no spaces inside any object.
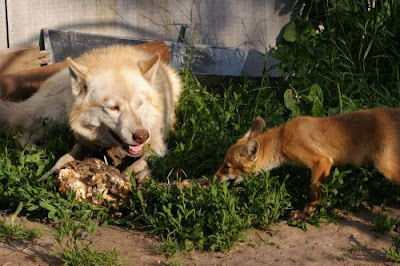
{"x":226,"y":167}
{"x":113,"y":108}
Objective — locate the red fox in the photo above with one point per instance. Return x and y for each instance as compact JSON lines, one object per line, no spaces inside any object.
{"x":353,"y":138}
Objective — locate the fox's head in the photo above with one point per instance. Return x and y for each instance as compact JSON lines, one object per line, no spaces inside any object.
{"x":114,"y":100}
{"x":241,"y":157}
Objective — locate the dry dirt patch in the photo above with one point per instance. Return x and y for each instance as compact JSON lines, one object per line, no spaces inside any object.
{"x":347,"y":242}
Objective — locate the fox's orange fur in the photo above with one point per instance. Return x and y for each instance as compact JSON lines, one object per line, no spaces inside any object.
{"x":353,"y":138}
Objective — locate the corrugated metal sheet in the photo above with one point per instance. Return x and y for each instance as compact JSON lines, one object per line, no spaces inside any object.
{"x":230,"y":23}
{"x":202,"y":59}
{"x":3,"y":28}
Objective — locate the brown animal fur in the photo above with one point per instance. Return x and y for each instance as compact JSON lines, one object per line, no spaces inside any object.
{"x":353,"y":138}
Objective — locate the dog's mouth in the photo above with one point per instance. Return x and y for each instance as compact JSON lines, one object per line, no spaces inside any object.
{"x":131,"y":150}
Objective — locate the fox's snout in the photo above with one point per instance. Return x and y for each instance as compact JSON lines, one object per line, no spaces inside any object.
{"x":224,"y":175}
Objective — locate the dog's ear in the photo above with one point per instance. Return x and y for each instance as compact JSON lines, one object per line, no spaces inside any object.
{"x":78,"y":75}
{"x":257,"y":127}
{"x":149,"y":67}
{"x":250,"y":149}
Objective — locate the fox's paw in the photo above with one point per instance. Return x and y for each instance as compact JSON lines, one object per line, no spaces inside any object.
{"x":298,"y":216}
{"x":301,"y":216}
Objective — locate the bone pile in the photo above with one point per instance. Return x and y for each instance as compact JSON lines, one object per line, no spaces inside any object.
{"x":100,"y":184}
{"x":95,"y":182}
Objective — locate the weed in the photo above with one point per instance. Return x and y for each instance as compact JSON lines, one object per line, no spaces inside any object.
{"x":349,"y":45}
{"x":174,"y":262}
{"x":212,"y":218}
{"x":393,"y":253}
{"x":343,"y":258}
{"x":75,"y":235}
{"x":18,"y":231}
{"x":382,"y":222}
{"x":357,"y":248}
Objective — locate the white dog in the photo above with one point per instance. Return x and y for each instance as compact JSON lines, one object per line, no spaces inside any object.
{"x":119,"y":96}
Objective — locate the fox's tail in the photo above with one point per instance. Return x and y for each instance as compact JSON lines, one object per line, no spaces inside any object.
{"x":7,"y":109}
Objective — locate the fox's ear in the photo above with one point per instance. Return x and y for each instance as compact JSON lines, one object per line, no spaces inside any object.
{"x":149,"y":67}
{"x":257,"y":127}
{"x":250,"y":149}
{"x":79,"y":75}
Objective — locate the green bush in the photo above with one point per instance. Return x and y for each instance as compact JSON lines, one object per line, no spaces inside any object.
{"x":350,"y":45}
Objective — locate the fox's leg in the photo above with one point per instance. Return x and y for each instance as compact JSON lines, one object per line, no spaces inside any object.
{"x":78,"y":152}
{"x":387,"y":164}
{"x":320,"y":170}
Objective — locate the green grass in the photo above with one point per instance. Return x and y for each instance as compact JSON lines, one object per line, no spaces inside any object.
{"x":89,"y":256}
{"x":382,"y":222}
{"x":393,"y":253}
{"x":18,"y":231}
{"x":352,"y":64}
{"x":75,"y":233}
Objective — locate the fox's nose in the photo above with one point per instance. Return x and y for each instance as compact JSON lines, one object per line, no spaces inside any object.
{"x":141,"y":135}
{"x":219,"y":176}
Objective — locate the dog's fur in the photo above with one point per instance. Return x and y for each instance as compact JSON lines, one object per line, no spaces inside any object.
{"x":119,"y":96}
{"x":353,"y":138}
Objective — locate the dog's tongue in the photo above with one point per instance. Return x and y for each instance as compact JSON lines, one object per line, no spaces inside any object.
{"x":135,"y":149}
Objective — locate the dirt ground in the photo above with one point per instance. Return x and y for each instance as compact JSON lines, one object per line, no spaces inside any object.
{"x":350,"y":241}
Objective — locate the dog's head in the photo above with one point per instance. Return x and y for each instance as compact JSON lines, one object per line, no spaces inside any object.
{"x":242,"y":156}
{"x":114,"y":103}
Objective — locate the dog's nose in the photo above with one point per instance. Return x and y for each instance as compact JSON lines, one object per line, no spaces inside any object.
{"x":141,"y":135}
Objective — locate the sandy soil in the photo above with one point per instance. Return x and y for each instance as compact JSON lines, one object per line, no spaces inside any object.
{"x":347,"y":242}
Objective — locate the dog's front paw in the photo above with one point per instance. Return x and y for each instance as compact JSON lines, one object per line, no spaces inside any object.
{"x":143,"y":176}
{"x":140,"y":176}
{"x":139,"y":170}
{"x":46,"y":175}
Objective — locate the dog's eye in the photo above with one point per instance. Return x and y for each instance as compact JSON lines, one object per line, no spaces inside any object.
{"x":113,"y":108}
{"x":226,"y":167}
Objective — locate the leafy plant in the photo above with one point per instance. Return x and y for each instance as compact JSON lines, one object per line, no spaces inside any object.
{"x":350,"y":45}
{"x":211,"y":218}
{"x":75,"y":234}
{"x":357,"y":248}
{"x":393,"y":253}
{"x":382,"y":222}
{"x":18,"y":231}
{"x":314,"y":101}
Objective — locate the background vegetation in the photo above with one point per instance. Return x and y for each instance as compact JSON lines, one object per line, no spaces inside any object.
{"x":337,"y":56}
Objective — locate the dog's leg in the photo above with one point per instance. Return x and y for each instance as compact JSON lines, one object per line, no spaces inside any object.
{"x":320,"y":171}
{"x":139,"y":169}
{"x":78,"y":152}
{"x":157,"y":142}
{"x":25,"y":142}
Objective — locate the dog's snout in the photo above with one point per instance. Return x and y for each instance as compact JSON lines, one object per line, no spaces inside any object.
{"x":141,"y":135}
